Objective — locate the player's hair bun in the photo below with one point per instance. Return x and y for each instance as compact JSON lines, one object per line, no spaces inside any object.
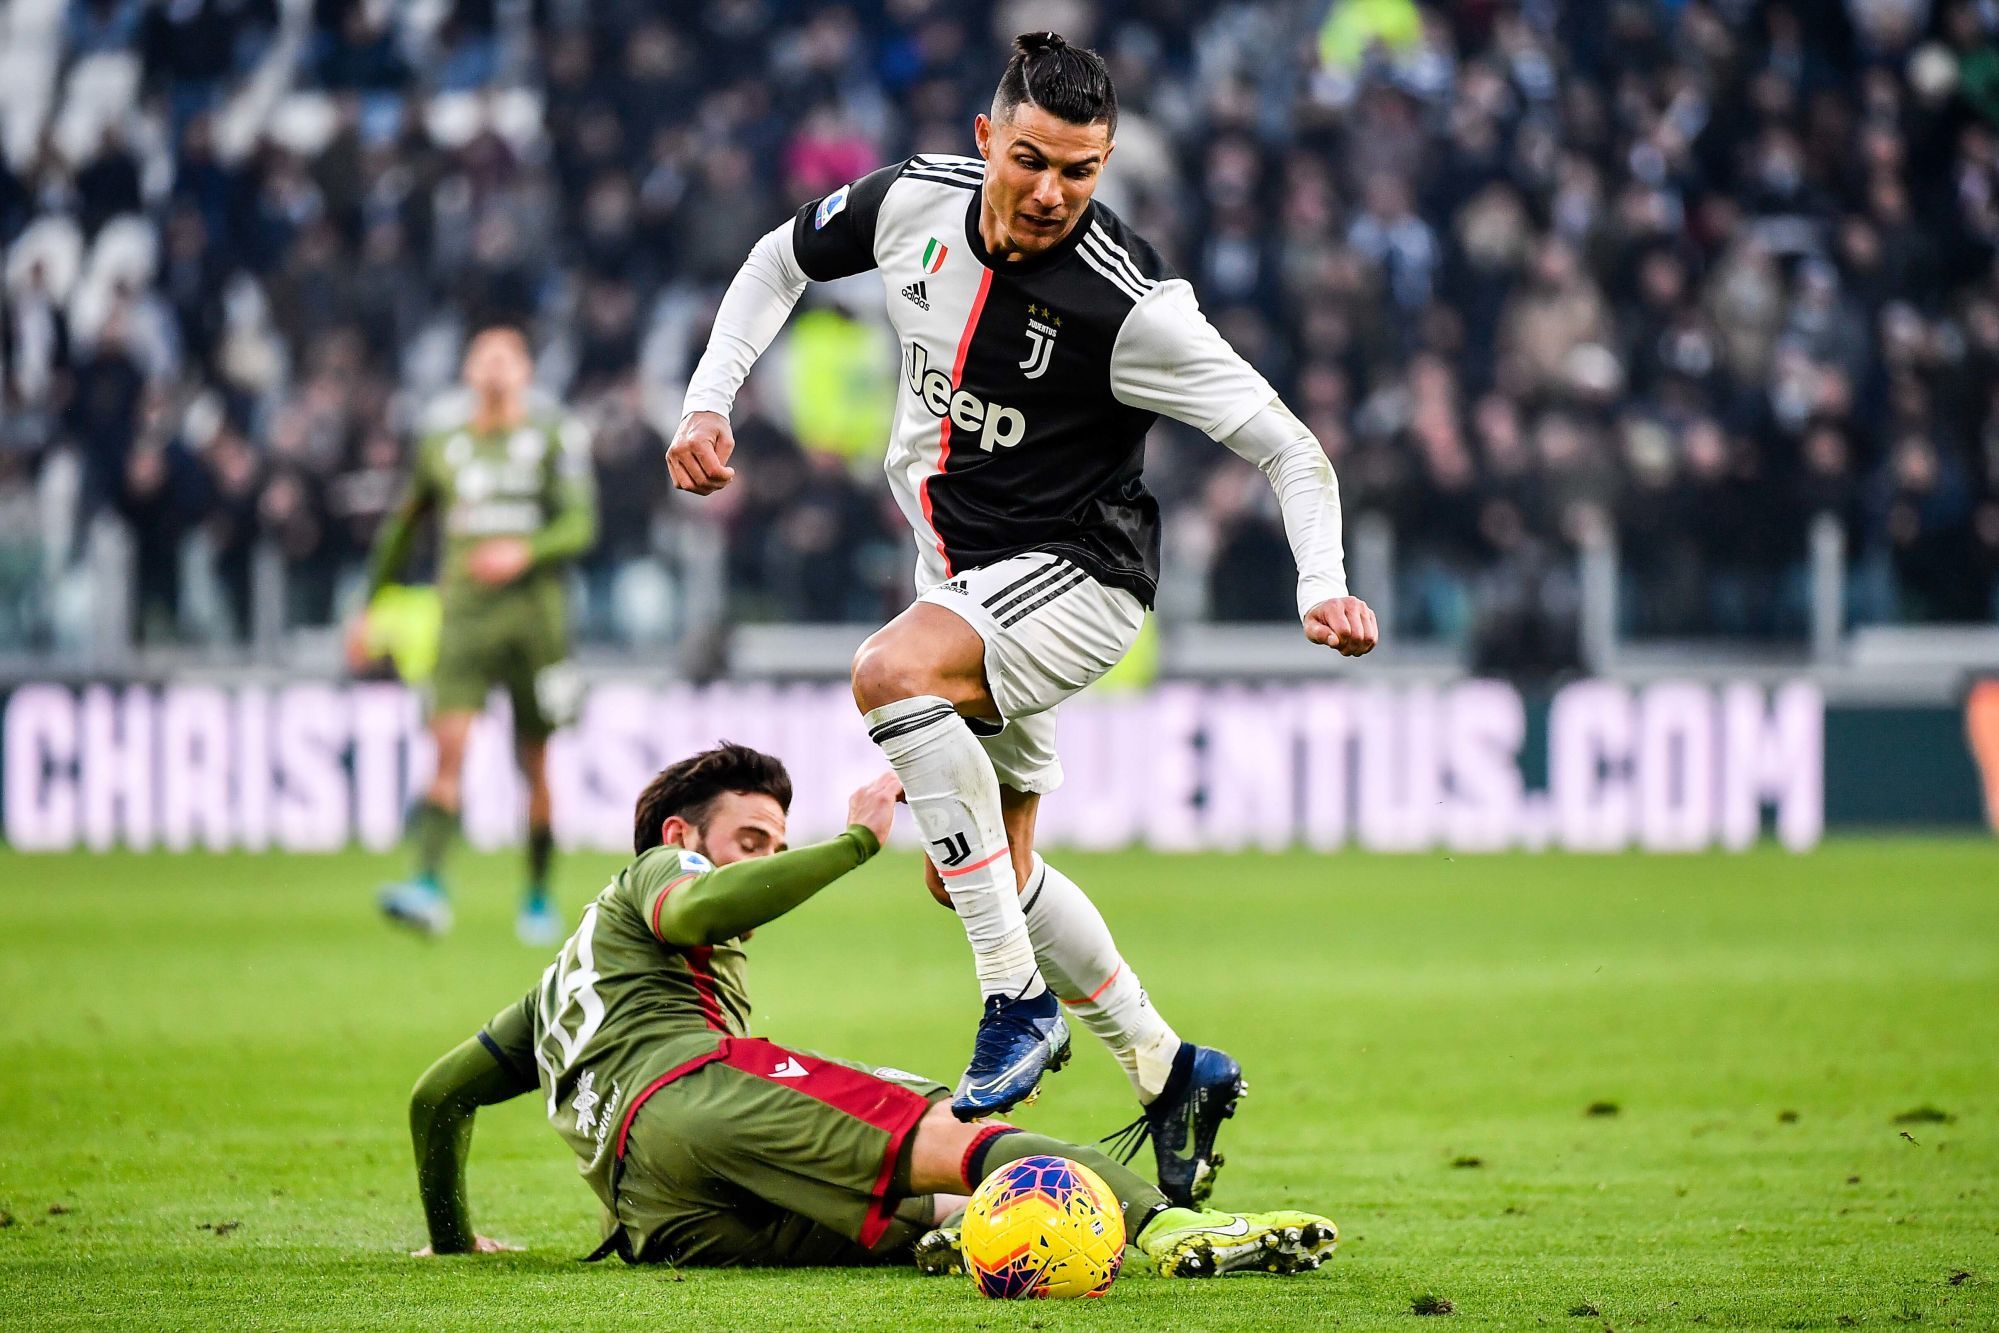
{"x":1070,"y":82}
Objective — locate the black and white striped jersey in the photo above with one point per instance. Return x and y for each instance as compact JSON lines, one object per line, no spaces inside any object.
{"x":1027,"y":386}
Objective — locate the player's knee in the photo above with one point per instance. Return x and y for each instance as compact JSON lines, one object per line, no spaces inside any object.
{"x":885,"y":672}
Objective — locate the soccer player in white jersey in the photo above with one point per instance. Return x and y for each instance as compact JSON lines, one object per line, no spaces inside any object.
{"x":1041,"y":337}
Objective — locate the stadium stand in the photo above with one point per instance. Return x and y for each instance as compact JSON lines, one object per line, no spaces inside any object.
{"x":1706,"y":286}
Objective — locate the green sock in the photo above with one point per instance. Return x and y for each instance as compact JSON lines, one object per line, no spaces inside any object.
{"x":541,"y":850}
{"x":432,"y":828}
{"x":1137,"y":1196}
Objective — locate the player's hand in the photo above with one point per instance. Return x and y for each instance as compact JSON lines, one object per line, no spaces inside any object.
{"x":698,"y":458}
{"x":1345,"y":623}
{"x":874,"y":805}
{"x":480,"y":1245}
{"x":499,"y":560}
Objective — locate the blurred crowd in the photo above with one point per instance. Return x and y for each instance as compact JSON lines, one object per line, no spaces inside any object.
{"x":1671,"y":278}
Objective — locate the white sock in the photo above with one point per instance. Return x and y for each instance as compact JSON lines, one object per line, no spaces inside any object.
{"x":1082,"y":966}
{"x":955,"y":796}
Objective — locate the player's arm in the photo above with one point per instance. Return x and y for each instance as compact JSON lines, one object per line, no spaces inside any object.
{"x":830,"y":238}
{"x":708,"y":907}
{"x":391,"y":549}
{"x":571,"y":529}
{"x":1169,"y":359}
{"x":392,"y":541}
{"x":1308,"y":496}
{"x":479,"y":1072}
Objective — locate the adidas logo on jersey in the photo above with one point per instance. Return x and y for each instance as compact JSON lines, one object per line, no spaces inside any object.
{"x":914,"y":291}
{"x":956,"y":585}
{"x":998,"y":427}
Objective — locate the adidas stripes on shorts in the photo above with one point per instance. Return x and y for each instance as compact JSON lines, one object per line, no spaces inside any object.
{"x":1050,"y":629}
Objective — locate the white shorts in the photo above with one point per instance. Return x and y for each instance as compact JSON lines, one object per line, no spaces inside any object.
{"x":1049,"y":629}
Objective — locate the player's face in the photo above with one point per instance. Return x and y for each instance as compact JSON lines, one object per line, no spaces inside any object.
{"x":1040,"y":173}
{"x":497,"y":364}
{"x":741,"y":826}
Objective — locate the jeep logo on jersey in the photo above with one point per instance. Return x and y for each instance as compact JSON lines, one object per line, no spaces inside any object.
{"x":998,"y":427}
{"x":1040,"y":340}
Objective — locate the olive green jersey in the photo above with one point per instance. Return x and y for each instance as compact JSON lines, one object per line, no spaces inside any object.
{"x":532,"y":481}
{"x":623,"y":1009}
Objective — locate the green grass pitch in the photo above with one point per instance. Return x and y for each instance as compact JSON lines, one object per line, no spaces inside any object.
{"x":204,"y":1063}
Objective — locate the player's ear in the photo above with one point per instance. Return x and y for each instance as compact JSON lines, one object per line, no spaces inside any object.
{"x":674,"y":832}
{"x":982,"y":134}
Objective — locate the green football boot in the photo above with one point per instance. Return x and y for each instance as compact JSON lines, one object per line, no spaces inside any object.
{"x":940,"y":1252}
{"x":1184,"y":1243}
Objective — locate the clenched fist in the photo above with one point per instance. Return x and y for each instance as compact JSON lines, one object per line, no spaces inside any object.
{"x":698,"y":458}
{"x":1345,"y":623}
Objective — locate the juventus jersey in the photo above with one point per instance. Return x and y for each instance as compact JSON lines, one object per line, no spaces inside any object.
{"x":1027,"y":386}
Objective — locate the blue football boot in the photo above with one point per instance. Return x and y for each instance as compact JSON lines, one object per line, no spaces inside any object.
{"x":539,"y":925}
{"x":1018,"y":1041}
{"x":418,"y":904}
{"x":1183,"y":1121}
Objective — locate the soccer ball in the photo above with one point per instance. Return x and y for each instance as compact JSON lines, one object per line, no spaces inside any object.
{"x":1043,"y":1228}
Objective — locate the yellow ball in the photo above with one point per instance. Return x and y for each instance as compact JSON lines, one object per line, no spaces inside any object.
{"x":1043,"y":1228}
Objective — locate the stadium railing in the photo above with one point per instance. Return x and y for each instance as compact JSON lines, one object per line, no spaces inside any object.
{"x":1916,"y":664}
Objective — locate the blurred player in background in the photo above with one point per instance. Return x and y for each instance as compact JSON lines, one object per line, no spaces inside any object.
{"x":510,"y":486}
{"x":710,"y":1147}
{"x":1041,"y":338}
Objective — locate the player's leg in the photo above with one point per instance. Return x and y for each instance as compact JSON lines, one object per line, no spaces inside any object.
{"x":465,"y":673}
{"x":1185,"y":1091}
{"x":913,"y":679}
{"x":951,"y":1156}
{"x":685,"y":1214}
{"x":539,"y":923}
{"x":1183,"y":1242}
{"x":1072,"y":944}
{"x":542,"y":693}
{"x":421,"y":902}
{"x":771,"y":1135}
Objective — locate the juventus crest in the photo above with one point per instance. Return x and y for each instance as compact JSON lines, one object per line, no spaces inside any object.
{"x":1042,"y":326}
